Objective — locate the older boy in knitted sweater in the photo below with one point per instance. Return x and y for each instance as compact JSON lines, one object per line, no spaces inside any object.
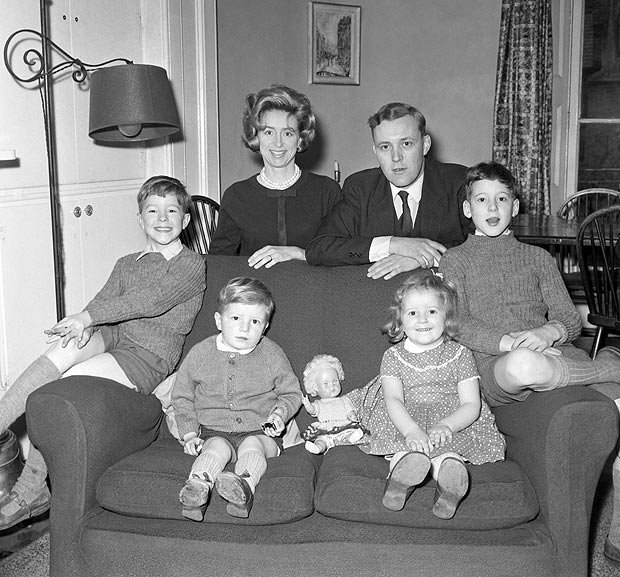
{"x":131,"y":332}
{"x":515,"y":312}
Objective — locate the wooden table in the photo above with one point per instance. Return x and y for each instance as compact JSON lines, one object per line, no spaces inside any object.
{"x":553,"y":233}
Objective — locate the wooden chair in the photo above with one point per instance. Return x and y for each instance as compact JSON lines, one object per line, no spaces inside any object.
{"x":199,"y":232}
{"x":578,"y":206}
{"x":598,"y":253}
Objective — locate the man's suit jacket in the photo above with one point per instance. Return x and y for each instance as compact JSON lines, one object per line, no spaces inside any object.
{"x":367,"y":211}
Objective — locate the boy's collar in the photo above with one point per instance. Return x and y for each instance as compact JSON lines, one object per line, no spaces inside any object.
{"x":168,"y":252}
{"x":222,"y":346}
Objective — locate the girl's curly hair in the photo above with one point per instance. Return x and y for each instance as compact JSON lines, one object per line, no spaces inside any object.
{"x":423,"y":280}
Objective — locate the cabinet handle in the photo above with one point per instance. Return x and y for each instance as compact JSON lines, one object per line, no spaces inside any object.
{"x":77,"y":212}
{"x":88,"y":210}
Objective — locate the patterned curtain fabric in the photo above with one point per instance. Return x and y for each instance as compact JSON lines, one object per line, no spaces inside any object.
{"x":522,"y":115}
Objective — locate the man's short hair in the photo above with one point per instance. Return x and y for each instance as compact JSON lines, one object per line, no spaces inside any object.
{"x":396,"y":110}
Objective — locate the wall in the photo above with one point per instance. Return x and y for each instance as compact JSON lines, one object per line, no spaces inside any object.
{"x":439,"y":56}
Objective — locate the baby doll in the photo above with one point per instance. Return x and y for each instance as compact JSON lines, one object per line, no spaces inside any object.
{"x":337,"y":420}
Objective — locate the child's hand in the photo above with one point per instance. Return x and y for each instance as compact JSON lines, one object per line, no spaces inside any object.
{"x":193,"y":445}
{"x":72,"y":327}
{"x":274,"y":426}
{"x":440,"y":435}
{"x":419,"y":441}
{"x":537,"y":339}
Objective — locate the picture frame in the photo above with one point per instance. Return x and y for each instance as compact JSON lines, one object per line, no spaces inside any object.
{"x":333,"y":43}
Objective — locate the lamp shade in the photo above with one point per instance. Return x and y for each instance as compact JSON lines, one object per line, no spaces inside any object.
{"x":131,"y":102}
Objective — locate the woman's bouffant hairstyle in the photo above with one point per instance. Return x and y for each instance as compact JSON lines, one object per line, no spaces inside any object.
{"x":491,"y":171}
{"x":247,"y":291}
{"x":315,"y":365}
{"x":423,"y":280}
{"x":277,"y":97}
{"x":162,"y":186}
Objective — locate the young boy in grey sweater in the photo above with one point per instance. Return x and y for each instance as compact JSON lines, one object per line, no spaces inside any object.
{"x":515,"y":312}
{"x":131,"y":332}
{"x":233,"y":396}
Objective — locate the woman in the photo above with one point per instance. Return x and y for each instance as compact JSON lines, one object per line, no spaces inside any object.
{"x":273,"y":215}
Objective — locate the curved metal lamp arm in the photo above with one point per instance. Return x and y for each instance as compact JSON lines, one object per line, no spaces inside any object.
{"x":34,"y":58}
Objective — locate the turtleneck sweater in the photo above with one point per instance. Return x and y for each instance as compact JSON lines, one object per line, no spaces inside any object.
{"x":506,"y":286}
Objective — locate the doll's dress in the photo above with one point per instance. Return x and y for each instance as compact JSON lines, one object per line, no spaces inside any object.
{"x":430,"y":383}
{"x":333,"y":420}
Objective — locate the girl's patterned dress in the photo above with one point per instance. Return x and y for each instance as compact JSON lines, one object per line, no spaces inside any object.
{"x":430,"y":383}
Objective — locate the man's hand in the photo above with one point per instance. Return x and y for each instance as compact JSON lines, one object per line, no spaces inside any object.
{"x":426,"y":252}
{"x":392,"y":265}
{"x":271,"y":255}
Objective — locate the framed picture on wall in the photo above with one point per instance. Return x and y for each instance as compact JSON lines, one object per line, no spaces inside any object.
{"x":333,"y":43}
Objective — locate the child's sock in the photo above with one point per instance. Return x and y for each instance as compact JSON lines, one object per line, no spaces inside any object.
{"x":31,"y":483}
{"x":604,"y":369}
{"x":37,"y":374}
{"x":254,"y":463}
{"x":614,"y":528}
{"x":208,"y":465}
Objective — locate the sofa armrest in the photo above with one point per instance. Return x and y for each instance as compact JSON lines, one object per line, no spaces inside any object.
{"x":82,"y":425}
{"x":562,"y":439}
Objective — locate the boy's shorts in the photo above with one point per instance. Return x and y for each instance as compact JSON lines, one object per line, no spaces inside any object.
{"x":144,"y":369}
{"x":235,"y":439}
{"x":496,"y":396}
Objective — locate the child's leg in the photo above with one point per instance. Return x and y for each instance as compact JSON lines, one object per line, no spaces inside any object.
{"x":452,"y":483}
{"x":238,"y":487}
{"x":524,"y":369}
{"x":215,"y":454}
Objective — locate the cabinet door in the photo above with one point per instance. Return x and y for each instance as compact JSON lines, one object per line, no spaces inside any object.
{"x":97,"y":231}
{"x":27,"y":304}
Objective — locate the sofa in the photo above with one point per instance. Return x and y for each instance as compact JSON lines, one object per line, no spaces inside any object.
{"x":115,"y":470}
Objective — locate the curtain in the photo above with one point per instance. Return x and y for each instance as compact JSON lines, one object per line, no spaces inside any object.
{"x":522,"y":113}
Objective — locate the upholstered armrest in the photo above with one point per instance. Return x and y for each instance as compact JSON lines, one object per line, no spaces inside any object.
{"x":562,"y":439}
{"x":82,"y":425}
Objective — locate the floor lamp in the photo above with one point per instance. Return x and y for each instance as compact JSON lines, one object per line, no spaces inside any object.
{"x":128,"y":103}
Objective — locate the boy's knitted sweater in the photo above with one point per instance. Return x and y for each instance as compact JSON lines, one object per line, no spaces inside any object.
{"x":506,"y":286}
{"x":231,"y":392}
{"x":154,"y":300}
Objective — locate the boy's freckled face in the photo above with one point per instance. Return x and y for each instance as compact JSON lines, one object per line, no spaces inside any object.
{"x":162,"y":219}
{"x":327,"y":383}
{"x":242,"y":325}
{"x":491,"y":206}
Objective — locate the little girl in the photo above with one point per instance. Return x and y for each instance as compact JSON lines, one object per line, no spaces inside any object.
{"x":433,"y":417}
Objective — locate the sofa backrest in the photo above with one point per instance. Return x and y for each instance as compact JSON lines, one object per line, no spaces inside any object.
{"x":332,"y":310}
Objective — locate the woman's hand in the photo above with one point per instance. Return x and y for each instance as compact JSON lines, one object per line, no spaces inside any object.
{"x":270,"y":255}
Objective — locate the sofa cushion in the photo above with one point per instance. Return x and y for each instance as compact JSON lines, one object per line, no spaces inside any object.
{"x":350,"y":487}
{"x":147,"y":484}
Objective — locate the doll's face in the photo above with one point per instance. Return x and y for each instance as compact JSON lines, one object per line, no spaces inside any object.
{"x":327,"y":383}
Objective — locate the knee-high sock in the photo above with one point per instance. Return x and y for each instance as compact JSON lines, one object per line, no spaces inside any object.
{"x":13,"y":402}
{"x":208,"y":465}
{"x":32,"y":480}
{"x":614,"y":528}
{"x":252,"y":462}
{"x":572,"y":372}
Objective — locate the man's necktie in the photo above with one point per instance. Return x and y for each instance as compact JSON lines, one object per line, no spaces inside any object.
{"x":405,"y":223}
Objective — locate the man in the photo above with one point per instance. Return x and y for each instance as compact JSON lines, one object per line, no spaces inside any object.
{"x":372,"y":223}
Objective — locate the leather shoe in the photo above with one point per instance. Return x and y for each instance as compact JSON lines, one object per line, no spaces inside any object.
{"x":409,"y":472}
{"x":452,"y":484}
{"x":194,"y":496}
{"x":25,"y":510}
{"x":237,"y":491}
{"x":611,"y":551}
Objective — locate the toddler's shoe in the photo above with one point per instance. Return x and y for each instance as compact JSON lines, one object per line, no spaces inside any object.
{"x":452,"y":484}
{"x":194,"y":496}
{"x":409,"y":472}
{"x":237,"y":491}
